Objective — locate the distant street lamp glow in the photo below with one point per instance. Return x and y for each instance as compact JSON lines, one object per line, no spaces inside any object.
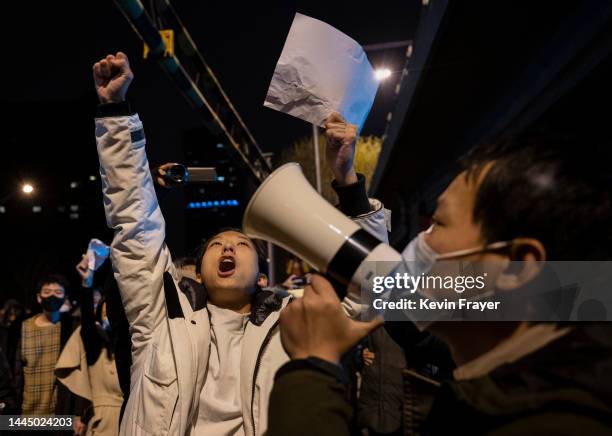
{"x":382,"y":73}
{"x":27,"y":188}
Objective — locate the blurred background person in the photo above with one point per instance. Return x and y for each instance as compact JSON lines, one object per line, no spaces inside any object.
{"x":97,"y":296}
{"x":297,"y":271}
{"x":43,"y":336}
{"x":87,"y":363}
{"x":12,"y":315}
{"x":188,"y":282}
{"x":263,"y":280}
{"x":9,"y":398}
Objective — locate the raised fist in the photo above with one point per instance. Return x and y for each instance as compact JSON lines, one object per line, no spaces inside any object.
{"x":112,"y":77}
{"x":340,"y":151}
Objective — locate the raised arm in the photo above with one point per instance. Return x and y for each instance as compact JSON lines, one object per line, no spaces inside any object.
{"x":351,"y":190}
{"x":138,"y":252}
{"x":350,"y":186}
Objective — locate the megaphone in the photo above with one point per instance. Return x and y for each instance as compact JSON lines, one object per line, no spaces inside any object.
{"x":287,"y":211}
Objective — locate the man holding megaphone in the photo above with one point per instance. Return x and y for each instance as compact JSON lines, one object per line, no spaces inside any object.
{"x":197,"y":370}
{"x":515,"y":207}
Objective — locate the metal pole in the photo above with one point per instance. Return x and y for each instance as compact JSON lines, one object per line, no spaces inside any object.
{"x":315,"y":141}
{"x":387,"y":45}
{"x":269,"y":245}
{"x":271,"y":264}
{"x":206,"y":94}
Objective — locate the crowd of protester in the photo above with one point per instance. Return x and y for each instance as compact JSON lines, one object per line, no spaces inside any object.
{"x":207,"y":346}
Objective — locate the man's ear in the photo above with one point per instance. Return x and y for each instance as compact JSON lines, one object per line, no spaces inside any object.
{"x":527,"y":256}
{"x":38,"y":298}
{"x":198,"y":278}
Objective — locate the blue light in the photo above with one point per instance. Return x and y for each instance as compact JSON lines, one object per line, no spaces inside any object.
{"x":213,"y":203}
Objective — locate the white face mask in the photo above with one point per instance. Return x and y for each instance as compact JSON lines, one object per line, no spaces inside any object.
{"x":420,"y":254}
{"x":421,"y":259}
{"x":424,"y":257}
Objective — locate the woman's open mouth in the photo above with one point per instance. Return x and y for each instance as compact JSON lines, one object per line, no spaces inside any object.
{"x":227,"y":266}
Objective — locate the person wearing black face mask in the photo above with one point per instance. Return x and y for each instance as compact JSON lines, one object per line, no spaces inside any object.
{"x":51,"y":305}
{"x":41,"y":394}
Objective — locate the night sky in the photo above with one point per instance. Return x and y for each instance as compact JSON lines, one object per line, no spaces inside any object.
{"x":48,"y":104}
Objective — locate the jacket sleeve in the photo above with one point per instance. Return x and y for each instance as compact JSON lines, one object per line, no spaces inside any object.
{"x":371,"y":215}
{"x":89,"y":333}
{"x":304,"y":402}
{"x":138,"y":253}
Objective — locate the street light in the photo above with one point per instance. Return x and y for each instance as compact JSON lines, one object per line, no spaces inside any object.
{"x":26,"y":189}
{"x":382,"y":73}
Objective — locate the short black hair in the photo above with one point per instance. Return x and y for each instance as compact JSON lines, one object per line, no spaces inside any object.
{"x":184,"y":261}
{"x":552,"y":189}
{"x":261,"y":257}
{"x":52,"y":278}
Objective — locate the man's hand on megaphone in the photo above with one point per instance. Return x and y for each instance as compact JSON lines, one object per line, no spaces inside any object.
{"x":340,"y":151}
{"x":316,"y":325}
